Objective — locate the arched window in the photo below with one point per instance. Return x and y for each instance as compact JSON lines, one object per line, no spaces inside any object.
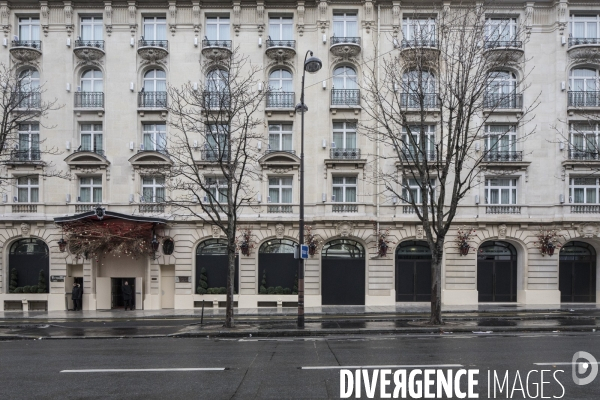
{"x":212,"y":247}
{"x":216,"y":80}
{"x":584,"y":86}
{"x":29,"y":246}
{"x":278,"y":246}
{"x":155,"y":80}
{"x":417,"y":85}
{"x":281,"y":80}
{"x":496,"y":251}
{"x":413,"y":250}
{"x":502,"y":90}
{"x":343,"y":248}
{"x":91,"y":81}
{"x":29,"y":80}
{"x":344,"y":78}
{"x":28,"y":266}
{"x":577,"y":251}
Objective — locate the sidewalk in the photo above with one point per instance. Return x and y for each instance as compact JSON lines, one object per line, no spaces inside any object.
{"x":400,"y":309}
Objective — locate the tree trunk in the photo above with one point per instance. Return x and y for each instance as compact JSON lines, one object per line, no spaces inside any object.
{"x":436,"y":284}
{"x":230,"y":284}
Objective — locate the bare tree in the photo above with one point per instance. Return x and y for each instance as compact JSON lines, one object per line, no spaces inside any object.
{"x":21,"y":103}
{"x":430,"y":102}
{"x":213,"y":147}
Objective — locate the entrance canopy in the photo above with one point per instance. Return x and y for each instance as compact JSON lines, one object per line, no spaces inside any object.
{"x":107,"y":215}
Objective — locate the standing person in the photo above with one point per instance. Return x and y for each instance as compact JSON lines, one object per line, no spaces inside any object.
{"x":76,"y":297}
{"x":127,"y":293}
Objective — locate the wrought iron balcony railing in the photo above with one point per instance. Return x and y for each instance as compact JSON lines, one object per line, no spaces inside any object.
{"x":216,"y":43}
{"x":32,"y":44}
{"x":100,"y":152}
{"x":345,"y":208}
{"x":345,"y":97}
{"x":495,"y":44}
{"x":414,"y":100}
{"x":154,"y":43}
{"x":279,"y":209}
{"x":281,"y":43}
{"x":338,"y":153}
{"x":583,"y":41}
{"x":405,"y":44}
{"x":503,"y":156}
{"x":214,"y":155}
{"x":152,"y":208}
{"x":503,"y":101}
{"x":152,"y":99}
{"x":25,"y":155}
{"x":24,"y":208}
{"x":585,"y":209}
{"x":589,"y":155}
{"x":216,"y":100}
{"x":345,"y":40}
{"x":89,"y":99}
{"x":99,"y":44}
{"x":582,"y":98}
{"x":502,"y":209}
{"x":27,"y":100}
{"x":281,"y":100}
{"x":418,"y":156}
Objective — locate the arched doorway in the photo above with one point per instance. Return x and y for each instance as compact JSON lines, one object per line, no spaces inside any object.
{"x":497,"y":272}
{"x":212,"y":263}
{"x":28,"y":266}
{"x":277,"y":267}
{"x":413,"y":271}
{"x":343,"y":273}
{"x":577,"y":273}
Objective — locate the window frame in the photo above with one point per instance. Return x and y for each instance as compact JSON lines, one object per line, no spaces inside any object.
{"x":585,"y":187}
{"x":348,"y":79}
{"x":30,"y":187}
{"x":93,"y":188}
{"x":280,"y":133}
{"x":512,"y":188}
{"x":94,"y":22}
{"x":150,"y":129}
{"x":511,"y":134}
{"x":93,"y":80}
{"x":499,"y":25}
{"x":345,"y":131}
{"x":32,"y":144}
{"x":409,"y":34}
{"x":155,"y":185}
{"x":154,"y":22}
{"x":345,"y":18}
{"x":411,"y":188}
{"x":218,"y":23}
{"x":586,"y":19}
{"x":217,"y":186}
{"x":280,"y":187}
{"x":93,"y":133}
{"x":344,"y":188}
{"x":278,"y":21}
{"x":28,"y":21}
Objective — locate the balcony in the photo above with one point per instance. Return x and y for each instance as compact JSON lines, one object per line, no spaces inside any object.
{"x":154,"y":208}
{"x":337,"y":153}
{"x":216,"y":100}
{"x":502,"y":209}
{"x":214,"y":155}
{"x":153,"y":50}
{"x":419,"y":51}
{"x":583,"y":99}
{"x":89,"y":50}
{"x":281,"y":100}
{"x":216,"y":50}
{"x":351,"y":208}
{"x":345,"y":97}
{"x":408,"y":209}
{"x":429,"y":101}
{"x":582,"y":155}
{"x":81,"y":208}
{"x":26,"y":100}
{"x":89,"y":99}
{"x":283,"y":209}
{"x":584,"y":49}
{"x":26,"y":156}
{"x":24,"y":208}
{"x":502,"y":101}
{"x":503,"y":51}
{"x":281,"y":50}
{"x":152,"y":100}
{"x":26,"y":50}
{"x":345,"y":46}
{"x":503,"y":156}
{"x":585,"y":209}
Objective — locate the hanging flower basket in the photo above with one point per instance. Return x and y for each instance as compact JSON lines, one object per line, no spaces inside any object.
{"x":312,"y":241}
{"x":462,"y":240}
{"x":244,"y":241}
{"x":383,"y":244}
{"x":548,"y":241}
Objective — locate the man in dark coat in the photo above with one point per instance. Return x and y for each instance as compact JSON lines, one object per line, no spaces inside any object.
{"x":76,"y":297}
{"x":127,"y":295}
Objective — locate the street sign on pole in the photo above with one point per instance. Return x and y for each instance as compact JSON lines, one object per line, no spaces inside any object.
{"x":304,"y":251}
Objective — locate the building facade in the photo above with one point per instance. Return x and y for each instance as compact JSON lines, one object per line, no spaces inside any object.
{"x":109,"y":64}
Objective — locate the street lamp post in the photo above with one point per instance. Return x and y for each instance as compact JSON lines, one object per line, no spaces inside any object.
{"x":311,"y":64}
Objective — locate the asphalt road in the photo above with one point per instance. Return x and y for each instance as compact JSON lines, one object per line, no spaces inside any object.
{"x":273,"y":368}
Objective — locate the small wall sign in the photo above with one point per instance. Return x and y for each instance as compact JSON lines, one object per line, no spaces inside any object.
{"x":182,"y":279}
{"x":57,"y":278}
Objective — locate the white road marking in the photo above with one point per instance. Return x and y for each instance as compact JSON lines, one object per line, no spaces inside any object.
{"x":384,"y":366}
{"x":561,"y":363}
{"x":142,"y":370}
